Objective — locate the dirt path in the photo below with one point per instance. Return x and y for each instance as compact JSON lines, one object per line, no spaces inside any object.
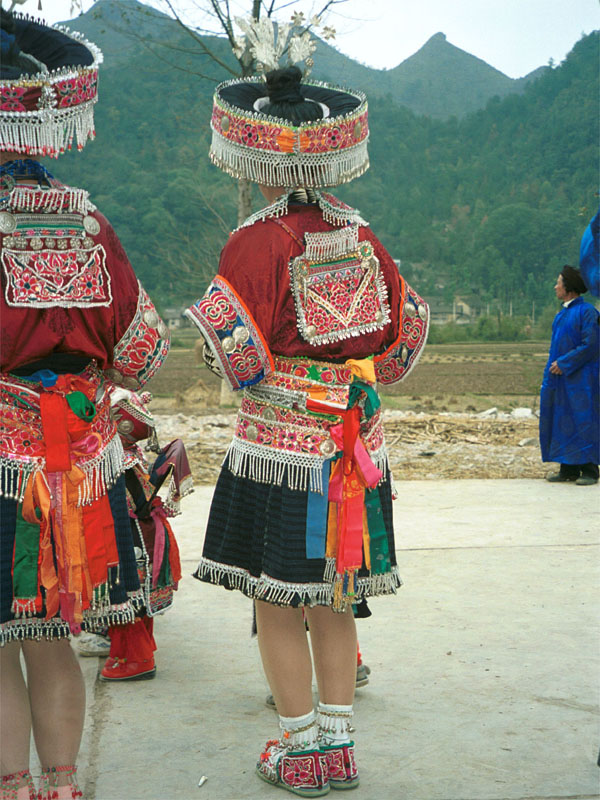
{"x":421,"y":445}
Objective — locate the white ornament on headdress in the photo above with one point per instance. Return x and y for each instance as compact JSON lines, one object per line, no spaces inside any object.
{"x":268,"y":42}
{"x":300,"y":48}
{"x":266,"y":48}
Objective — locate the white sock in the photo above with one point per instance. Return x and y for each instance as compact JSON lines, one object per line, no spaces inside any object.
{"x":334,"y":723}
{"x":299,"y":733}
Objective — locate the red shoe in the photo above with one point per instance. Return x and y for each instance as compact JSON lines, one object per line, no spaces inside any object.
{"x":341,"y":766}
{"x":123,"y":670}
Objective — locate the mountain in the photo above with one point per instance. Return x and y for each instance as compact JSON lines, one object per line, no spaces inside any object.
{"x":494,"y":200}
{"x":440,"y":80}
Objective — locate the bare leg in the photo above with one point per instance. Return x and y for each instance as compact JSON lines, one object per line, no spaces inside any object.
{"x":15,"y":714}
{"x":285,"y":655}
{"x":57,"y":695}
{"x":333,"y":638}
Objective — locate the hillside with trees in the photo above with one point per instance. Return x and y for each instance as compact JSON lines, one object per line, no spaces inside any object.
{"x":490,"y":203}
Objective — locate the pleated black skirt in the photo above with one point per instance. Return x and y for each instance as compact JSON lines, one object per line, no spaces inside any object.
{"x":256,"y":543}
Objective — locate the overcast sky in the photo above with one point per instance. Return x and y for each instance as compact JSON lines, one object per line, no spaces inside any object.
{"x":515,"y":36}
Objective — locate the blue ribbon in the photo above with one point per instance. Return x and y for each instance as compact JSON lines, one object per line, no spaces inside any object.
{"x":44,"y":376}
{"x":316,"y":518}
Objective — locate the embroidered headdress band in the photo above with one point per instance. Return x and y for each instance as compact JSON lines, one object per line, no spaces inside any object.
{"x":275,"y":152}
{"x":47,"y":111}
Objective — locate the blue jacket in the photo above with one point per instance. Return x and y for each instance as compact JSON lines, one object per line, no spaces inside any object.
{"x":569,"y":415}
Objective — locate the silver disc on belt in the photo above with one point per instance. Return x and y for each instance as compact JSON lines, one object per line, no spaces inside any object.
{"x":8,"y":223}
{"x":422,"y":311}
{"x":327,"y":447}
{"x":252,"y":433}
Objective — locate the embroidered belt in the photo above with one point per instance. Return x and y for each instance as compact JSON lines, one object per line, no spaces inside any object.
{"x":285,"y":424}
{"x":95,"y":449}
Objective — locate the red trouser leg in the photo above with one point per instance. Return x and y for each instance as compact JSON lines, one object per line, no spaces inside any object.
{"x":134,"y":641}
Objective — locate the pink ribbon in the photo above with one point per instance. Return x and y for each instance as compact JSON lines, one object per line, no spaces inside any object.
{"x":369,"y":471}
{"x":158,"y":515}
{"x":87,"y":445}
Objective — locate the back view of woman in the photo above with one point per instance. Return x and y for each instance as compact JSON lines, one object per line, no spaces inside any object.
{"x":75,"y":322}
{"x":306,"y":313}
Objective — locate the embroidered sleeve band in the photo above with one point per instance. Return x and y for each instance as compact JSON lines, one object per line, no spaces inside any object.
{"x":240,"y":351}
{"x":143,"y":347}
{"x":398,"y":360}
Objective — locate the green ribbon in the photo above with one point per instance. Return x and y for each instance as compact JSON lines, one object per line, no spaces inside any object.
{"x":164,"y":576}
{"x":372,"y":401}
{"x":27,"y":549}
{"x":314,"y":372}
{"x":379,"y":549}
{"x":81,"y":406}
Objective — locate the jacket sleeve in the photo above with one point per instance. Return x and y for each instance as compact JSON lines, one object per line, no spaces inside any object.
{"x":235,"y":315}
{"x":142,"y":339}
{"x":397,"y":361}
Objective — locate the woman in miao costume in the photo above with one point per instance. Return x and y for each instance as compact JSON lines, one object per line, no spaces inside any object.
{"x":75,"y":323}
{"x":306,"y":314}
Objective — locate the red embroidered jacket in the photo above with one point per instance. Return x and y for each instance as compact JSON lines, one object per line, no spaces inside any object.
{"x":67,"y":287}
{"x":257,"y":307}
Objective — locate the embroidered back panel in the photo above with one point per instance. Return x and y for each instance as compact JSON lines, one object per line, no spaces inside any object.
{"x":51,"y":259}
{"x":338,"y":288}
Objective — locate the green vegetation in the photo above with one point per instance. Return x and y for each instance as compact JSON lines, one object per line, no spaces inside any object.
{"x":491,"y":204}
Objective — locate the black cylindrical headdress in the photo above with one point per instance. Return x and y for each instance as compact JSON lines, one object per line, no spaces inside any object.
{"x":284,"y":132}
{"x":48,"y":88}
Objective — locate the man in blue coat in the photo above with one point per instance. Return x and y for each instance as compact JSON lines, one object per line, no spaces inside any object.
{"x":569,"y":414}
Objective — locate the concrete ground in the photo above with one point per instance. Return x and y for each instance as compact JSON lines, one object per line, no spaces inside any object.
{"x":484,"y":682}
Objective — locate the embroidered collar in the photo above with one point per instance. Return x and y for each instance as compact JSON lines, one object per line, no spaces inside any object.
{"x":333,"y":210}
{"x":26,"y":168}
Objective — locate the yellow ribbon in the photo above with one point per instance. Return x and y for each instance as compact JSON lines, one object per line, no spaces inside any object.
{"x":362,"y":368}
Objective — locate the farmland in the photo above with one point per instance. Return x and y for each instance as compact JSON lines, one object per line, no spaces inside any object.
{"x":468,"y":411}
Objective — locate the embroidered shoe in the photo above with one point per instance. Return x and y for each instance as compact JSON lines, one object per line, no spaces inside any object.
{"x":302,"y":772}
{"x":120,"y":669}
{"x":92,"y":644}
{"x":341,"y":766}
{"x":362,"y":675}
{"x":50,"y":791}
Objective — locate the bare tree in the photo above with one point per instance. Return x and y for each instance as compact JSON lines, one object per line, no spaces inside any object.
{"x":204,"y":19}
